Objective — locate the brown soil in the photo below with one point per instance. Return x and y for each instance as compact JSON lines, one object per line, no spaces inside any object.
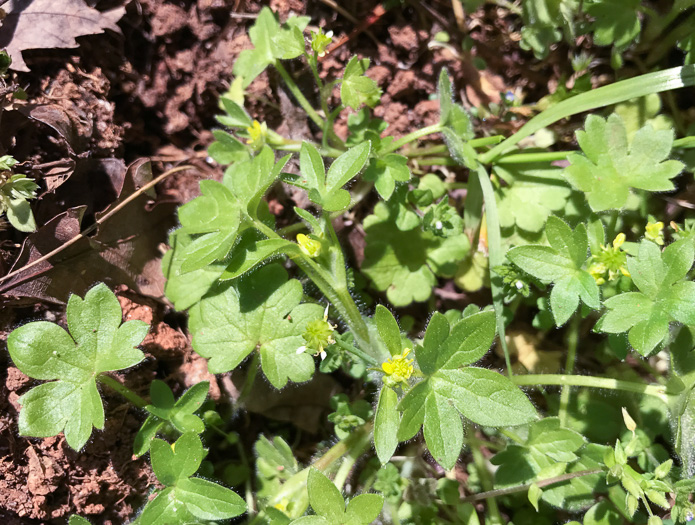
{"x":153,"y":92}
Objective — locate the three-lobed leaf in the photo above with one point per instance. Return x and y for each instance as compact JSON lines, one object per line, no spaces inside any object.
{"x":451,"y":389}
{"x":329,"y":506}
{"x":356,"y":88}
{"x":97,"y":343}
{"x":561,"y":263}
{"x":186,"y":499}
{"x":664,"y":296}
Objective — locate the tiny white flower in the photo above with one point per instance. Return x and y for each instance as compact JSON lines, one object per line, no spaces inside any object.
{"x":301,"y":350}
{"x":438,"y":225}
{"x":519,"y":285}
{"x":323,"y":355}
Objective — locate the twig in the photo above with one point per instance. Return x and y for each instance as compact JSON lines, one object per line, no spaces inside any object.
{"x":98,"y":222}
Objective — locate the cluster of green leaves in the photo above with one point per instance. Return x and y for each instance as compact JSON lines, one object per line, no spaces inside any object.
{"x":450,"y":387}
{"x":73,"y":363}
{"x":664,"y":292}
{"x":15,"y":192}
{"x":616,"y":23}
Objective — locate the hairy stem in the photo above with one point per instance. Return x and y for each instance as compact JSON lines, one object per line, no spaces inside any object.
{"x":336,"y":293}
{"x":572,"y":341}
{"x":357,"y":352}
{"x":484,"y":473}
{"x":410,"y":137}
{"x":299,"y":96}
{"x":591,"y":382}
{"x":524,"y":488}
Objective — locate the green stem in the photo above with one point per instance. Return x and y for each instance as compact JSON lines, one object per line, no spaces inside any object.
{"x":250,"y":377}
{"x":410,"y":137}
{"x":337,"y":294}
{"x":437,"y":161}
{"x":527,"y":158}
{"x":353,"y":455}
{"x":484,"y":474}
{"x":572,"y":341}
{"x":591,"y":382}
{"x":496,"y":258}
{"x":441,"y":148}
{"x":338,"y":450}
{"x":296,"y":147}
{"x":523,"y":488}
{"x":294,"y":89}
{"x":357,"y":352}
{"x":126,"y":392}
{"x":685,"y":142}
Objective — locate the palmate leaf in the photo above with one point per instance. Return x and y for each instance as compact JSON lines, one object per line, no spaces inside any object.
{"x":561,"y":263}
{"x":533,"y":193}
{"x":452,"y":389}
{"x":611,"y":164}
{"x":97,"y":343}
{"x":664,"y":296}
{"x":405,"y":263}
{"x":259,"y":312}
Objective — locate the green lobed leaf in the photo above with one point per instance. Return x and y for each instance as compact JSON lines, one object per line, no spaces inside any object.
{"x":664,"y":296}
{"x":611,"y":164}
{"x":236,"y":116}
{"x":250,"y":252}
{"x":442,"y":429}
{"x":404,"y":263}
{"x":534,"y":192}
{"x":252,"y":314}
{"x":186,"y":289}
{"x":99,"y":343}
{"x":207,"y":500}
{"x":227,"y":149}
{"x":364,"y":509}
{"x":180,"y":461}
{"x":561,"y":263}
{"x":342,"y":170}
{"x":436,"y":335}
{"x":356,"y":88}
{"x":470,"y":340}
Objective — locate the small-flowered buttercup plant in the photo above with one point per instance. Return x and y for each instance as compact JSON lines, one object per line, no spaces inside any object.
{"x":421,"y":407}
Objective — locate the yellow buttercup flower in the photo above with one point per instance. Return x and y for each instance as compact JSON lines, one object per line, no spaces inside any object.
{"x":257,"y":134}
{"x":654,"y":231}
{"x":398,"y":369}
{"x":609,"y":262}
{"x":309,"y":244}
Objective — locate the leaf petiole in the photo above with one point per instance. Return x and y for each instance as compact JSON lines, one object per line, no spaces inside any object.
{"x":126,"y":392}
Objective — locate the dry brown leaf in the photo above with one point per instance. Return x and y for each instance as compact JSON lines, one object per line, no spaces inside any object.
{"x":48,"y":24}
